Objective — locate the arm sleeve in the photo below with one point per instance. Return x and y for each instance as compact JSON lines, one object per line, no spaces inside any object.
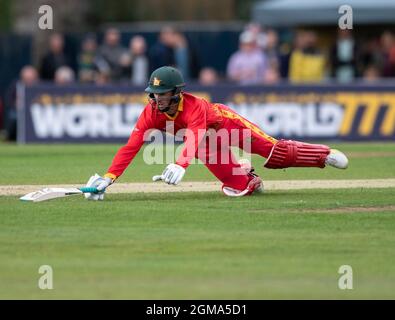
{"x":125,"y":154}
{"x":195,"y":132}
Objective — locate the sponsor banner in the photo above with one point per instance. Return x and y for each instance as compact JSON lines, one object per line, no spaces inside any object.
{"x":108,"y":113}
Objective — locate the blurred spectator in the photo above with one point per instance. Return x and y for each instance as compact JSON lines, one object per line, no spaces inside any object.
{"x":259,"y":34}
{"x":55,"y":58}
{"x":267,"y":41}
{"x":162,"y":52}
{"x":125,"y":61}
{"x":64,"y":75}
{"x":343,"y":57}
{"x":247,"y":65}
{"x":102,"y":78}
{"x":285,"y":51}
{"x":87,"y":67}
{"x":271,"y":49}
{"x":181,"y":54}
{"x":139,"y":61}
{"x":272,"y":76}
{"x":208,"y":77}
{"x":307,"y":63}
{"x":388,"y":52}
{"x":371,"y":74}
{"x":28,"y":76}
{"x":370,"y":56}
{"x":111,"y":52}
{"x":185,"y":57}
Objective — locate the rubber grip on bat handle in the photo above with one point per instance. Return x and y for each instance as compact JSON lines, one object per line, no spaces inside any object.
{"x":89,"y":190}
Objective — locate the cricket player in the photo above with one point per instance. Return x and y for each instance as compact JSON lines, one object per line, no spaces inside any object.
{"x":168,"y":103}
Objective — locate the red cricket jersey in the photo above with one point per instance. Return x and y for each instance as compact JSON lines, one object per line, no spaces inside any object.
{"x":193,"y":113}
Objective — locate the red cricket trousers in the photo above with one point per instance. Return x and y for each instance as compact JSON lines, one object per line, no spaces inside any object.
{"x":215,"y":150}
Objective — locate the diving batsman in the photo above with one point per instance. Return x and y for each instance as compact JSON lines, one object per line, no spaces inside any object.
{"x":169,"y":103}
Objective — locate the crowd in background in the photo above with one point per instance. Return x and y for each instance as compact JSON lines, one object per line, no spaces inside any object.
{"x":261,"y":59}
{"x":110,"y":62}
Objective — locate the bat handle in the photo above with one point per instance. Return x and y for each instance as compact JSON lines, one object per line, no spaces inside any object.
{"x":89,"y":190}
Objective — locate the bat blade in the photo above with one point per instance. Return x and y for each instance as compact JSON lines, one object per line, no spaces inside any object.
{"x":50,"y":193}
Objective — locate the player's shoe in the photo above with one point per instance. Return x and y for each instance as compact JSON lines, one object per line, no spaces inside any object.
{"x":254,"y":185}
{"x":337,"y":159}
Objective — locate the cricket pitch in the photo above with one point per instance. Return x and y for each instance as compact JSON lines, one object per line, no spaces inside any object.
{"x":198,"y":186}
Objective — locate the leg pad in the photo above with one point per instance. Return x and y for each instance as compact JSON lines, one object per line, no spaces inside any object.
{"x":289,"y":153}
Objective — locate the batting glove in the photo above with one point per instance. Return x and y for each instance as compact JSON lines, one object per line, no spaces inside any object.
{"x":173,"y":174}
{"x":101,"y":184}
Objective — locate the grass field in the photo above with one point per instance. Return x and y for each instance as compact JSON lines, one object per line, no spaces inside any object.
{"x":52,"y":164}
{"x":276,"y":245}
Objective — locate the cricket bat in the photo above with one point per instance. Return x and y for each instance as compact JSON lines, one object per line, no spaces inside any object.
{"x":53,"y":193}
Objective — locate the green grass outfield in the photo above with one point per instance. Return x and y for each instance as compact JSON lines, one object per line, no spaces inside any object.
{"x":52,"y":164}
{"x":276,"y":245}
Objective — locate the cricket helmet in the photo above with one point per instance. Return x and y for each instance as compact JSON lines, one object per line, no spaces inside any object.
{"x":165,"y":79}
